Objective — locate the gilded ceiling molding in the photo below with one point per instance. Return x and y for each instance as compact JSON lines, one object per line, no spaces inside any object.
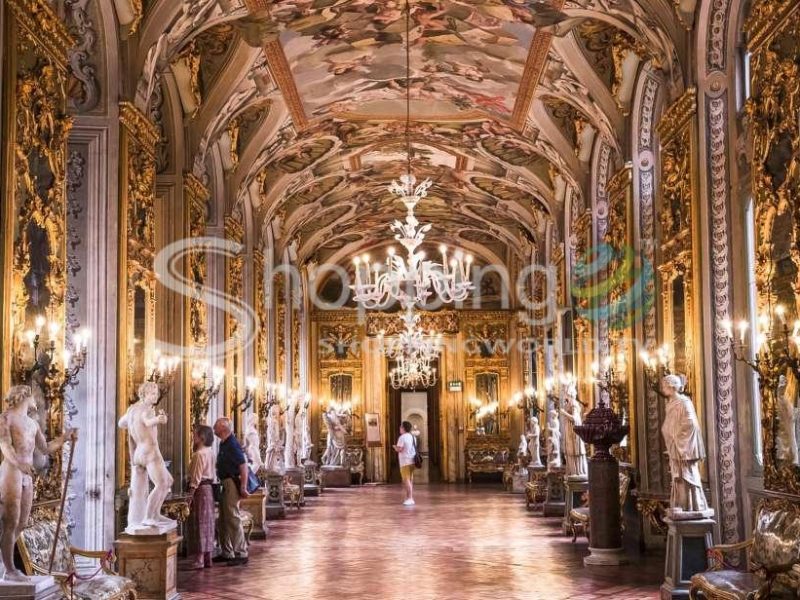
{"x":534,"y":68}
{"x":765,"y":18}
{"x":282,"y":74}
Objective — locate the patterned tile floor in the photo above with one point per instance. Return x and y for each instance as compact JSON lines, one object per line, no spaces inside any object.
{"x":458,"y":542}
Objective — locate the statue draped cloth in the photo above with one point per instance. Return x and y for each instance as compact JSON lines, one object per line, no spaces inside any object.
{"x":685,"y":448}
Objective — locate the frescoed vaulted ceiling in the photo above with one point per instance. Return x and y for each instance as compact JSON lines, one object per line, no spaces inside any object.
{"x":302,"y":104}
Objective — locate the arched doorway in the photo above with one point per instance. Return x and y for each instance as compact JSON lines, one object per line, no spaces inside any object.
{"x":420,"y":406}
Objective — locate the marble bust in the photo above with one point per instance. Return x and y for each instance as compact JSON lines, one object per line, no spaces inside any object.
{"x":574,"y":447}
{"x":534,"y":435}
{"x":147,"y":464}
{"x":20,"y":435}
{"x":553,"y":441}
{"x":684,"y":443}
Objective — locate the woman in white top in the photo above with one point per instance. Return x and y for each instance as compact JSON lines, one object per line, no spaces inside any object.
{"x":406,"y":451}
{"x":202,"y":473}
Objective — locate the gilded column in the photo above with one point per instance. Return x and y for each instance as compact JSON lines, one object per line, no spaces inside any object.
{"x":234,"y":333}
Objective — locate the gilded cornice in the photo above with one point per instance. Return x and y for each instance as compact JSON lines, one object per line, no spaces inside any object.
{"x":139,"y":126}
{"x":619,"y":182}
{"x":43,"y":24}
{"x":765,"y":19}
{"x":677,"y":116}
{"x":233,"y":229}
{"x":195,"y":189}
{"x":343,"y":315}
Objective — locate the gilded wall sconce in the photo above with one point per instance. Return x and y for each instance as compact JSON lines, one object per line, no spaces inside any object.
{"x":204,"y":389}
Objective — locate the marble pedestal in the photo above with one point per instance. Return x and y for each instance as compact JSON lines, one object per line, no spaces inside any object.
{"x":518,"y":481}
{"x":152,"y":562}
{"x":335,"y":477}
{"x":310,"y":486}
{"x":40,"y":587}
{"x":554,"y":501}
{"x":605,"y":539}
{"x":687,"y":554}
{"x":297,"y":476}
{"x":254,"y":504}
{"x":574,"y":489}
{"x":274,"y":506}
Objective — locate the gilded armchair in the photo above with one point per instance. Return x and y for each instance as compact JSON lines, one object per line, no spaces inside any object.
{"x":772,"y":559}
{"x":35,"y":546}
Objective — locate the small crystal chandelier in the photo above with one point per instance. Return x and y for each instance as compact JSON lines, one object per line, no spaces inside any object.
{"x":412,"y":372}
{"x":414,"y":279}
{"x":412,"y":341}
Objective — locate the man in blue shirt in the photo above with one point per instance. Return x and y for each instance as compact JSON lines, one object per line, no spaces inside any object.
{"x":232,"y":473}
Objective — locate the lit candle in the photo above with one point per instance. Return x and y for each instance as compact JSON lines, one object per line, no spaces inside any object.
{"x":595,"y":367}
{"x":52,"y":329}
{"x":743,"y":325}
{"x":780,"y":310}
{"x":39,"y":322}
{"x":30,"y":335}
{"x":67,"y":358}
{"x":727,"y":326}
{"x":218,"y":374}
{"x":251,"y":383}
{"x":763,"y":322}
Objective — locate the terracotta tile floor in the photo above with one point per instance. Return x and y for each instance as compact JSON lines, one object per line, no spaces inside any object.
{"x":456,"y":543}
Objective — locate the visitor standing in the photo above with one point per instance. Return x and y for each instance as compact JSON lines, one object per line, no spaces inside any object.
{"x":232,"y":473}
{"x":200,"y":526}
{"x":406,"y":451}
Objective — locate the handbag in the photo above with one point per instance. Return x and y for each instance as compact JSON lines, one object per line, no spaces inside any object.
{"x":253,"y":484}
{"x":216,"y":491}
{"x":417,"y":456}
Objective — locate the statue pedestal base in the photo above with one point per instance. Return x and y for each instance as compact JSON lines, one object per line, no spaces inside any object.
{"x":152,"y":562}
{"x":605,"y":557}
{"x":335,"y":477}
{"x":297,"y":476}
{"x":518,"y":481}
{"x":40,"y":587}
{"x":554,"y":501}
{"x":254,"y":505}
{"x":575,"y":488}
{"x":310,"y":485}
{"x":687,"y":554}
{"x":274,"y":507}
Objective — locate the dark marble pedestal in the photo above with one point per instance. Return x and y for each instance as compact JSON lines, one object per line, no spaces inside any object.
{"x":688,"y":543}
{"x":605,"y":547}
{"x":335,"y":477}
{"x":274,"y":505}
{"x":554,"y":501}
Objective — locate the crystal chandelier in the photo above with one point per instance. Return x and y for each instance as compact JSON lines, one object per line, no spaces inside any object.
{"x":412,"y":372}
{"x":413,"y":279}
{"x":412,"y":340}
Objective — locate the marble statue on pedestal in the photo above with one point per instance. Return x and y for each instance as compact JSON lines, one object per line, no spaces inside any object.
{"x":147,"y":464}
{"x":574,"y":448}
{"x":553,"y":440}
{"x":335,"y":449}
{"x":20,"y":435}
{"x":274,"y":458}
{"x":684,"y":443}
{"x":290,"y":446}
{"x":786,"y":440}
{"x":522,"y":449}
{"x":534,"y":434}
{"x":302,"y":433}
{"x":252,"y":442}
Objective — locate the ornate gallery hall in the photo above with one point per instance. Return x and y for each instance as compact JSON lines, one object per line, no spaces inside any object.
{"x":400,"y":298}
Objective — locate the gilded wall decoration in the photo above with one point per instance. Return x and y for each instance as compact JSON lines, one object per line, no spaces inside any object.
{"x":676,"y":244}
{"x":234,"y":335}
{"x":486,"y":340}
{"x":296,"y":333}
{"x":260,"y":303}
{"x":196,"y":199}
{"x":278,"y":295}
{"x":443,"y":321}
{"x":773,"y":30}
{"x":137,"y":282}
{"x":35,"y":197}
{"x":339,"y":342}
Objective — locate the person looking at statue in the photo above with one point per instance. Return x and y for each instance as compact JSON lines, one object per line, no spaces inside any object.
{"x":406,"y":451}
{"x":202,"y":474}
{"x":232,"y":473}
{"x":20,"y":435}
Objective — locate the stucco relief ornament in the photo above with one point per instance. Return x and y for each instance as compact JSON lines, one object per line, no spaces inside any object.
{"x":147,"y":464}
{"x":684,"y":443}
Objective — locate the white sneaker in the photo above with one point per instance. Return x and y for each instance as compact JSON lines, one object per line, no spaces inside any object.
{"x":408,"y":503}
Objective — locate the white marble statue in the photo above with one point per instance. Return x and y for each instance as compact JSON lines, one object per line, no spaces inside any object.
{"x":335,"y":449}
{"x":302,"y":434}
{"x":20,"y":435}
{"x":252,"y":442}
{"x":553,"y":440}
{"x":574,"y":448}
{"x":684,"y":444}
{"x":290,"y":446}
{"x":534,"y":435}
{"x":147,"y":464}
{"x":522,"y":449}
{"x":274,"y":458}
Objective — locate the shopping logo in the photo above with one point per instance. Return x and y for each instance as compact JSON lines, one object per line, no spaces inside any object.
{"x":609,"y":286}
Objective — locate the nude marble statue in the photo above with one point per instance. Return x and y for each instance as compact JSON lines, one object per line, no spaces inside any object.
{"x":147,"y":464}
{"x":290,"y":446}
{"x":534,"y":434}
{"x":252,"y":442}
{"x":274,"y":458}
{"x":20,"y":436}
{"x":684,"y":443}
{"x":574,"y":448}
{"x":553,"y":441}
